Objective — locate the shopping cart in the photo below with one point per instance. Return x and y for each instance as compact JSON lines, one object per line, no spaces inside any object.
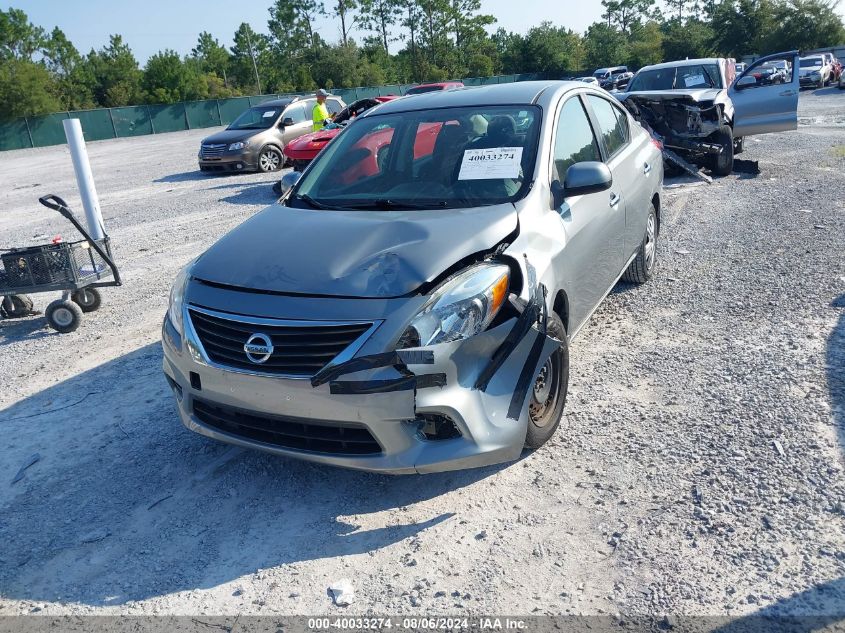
{"x":76,"y":269}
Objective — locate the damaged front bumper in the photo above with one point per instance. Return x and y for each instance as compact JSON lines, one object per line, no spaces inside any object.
{"x":680,"y":122}
{"x":445,"y":407}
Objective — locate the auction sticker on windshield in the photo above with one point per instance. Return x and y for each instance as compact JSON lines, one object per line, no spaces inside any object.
{"x":495,"y":162}
{"x":268,"y":114}
{"x":694,"y":80}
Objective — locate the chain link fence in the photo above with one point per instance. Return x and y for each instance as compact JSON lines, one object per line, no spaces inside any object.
{"x":106,"y":123}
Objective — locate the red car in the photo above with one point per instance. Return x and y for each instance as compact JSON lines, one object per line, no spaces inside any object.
{"x":304,"y":149}
{"x":443,"y":85}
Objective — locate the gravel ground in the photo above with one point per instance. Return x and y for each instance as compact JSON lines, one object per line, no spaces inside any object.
{"x":698,"y":470}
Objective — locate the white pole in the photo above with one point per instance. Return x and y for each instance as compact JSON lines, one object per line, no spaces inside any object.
{"x":84,"y":178}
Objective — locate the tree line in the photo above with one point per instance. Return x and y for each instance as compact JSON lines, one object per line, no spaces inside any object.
{"x":42,"y":71}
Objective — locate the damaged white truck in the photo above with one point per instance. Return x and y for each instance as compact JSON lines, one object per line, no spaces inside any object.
{"x":701,"y":112}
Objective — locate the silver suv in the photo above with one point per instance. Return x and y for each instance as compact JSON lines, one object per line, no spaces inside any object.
{"x":256,"y":139}
{"x":408,"y":305}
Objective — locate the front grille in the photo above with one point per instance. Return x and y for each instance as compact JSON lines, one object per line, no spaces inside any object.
{"x":317,"y":437}
{"x":212,"y":150}
{"x":299,"y":351}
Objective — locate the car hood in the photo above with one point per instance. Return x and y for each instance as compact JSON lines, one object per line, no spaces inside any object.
{"x":230,"y":136}
{"x":695,"y":95}
{"x":367,"y":254}
{"x":314,"y":139}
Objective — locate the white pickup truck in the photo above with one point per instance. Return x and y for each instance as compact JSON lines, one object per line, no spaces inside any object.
{"x":700,"y":109}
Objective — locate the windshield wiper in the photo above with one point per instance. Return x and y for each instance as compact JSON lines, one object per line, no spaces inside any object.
{"x":314,"y":204}
{"x":386,"y":203}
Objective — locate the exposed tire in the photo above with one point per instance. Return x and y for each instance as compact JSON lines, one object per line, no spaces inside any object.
{"x":270,"y":159}
{"x":548,"y":395}
{"x":18,"y":306}
{"x":642,"y":268}
{"x":723,"y":163}
{"x":88,"y":299}
{"x":63,"y":316}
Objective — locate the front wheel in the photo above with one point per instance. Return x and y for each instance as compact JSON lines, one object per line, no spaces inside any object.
{"x":642,"y":268}
{"x":63,"y":316}
{"x":88,"y":299}
{"x":548,"y":395}
{"x":723,"y":163}
{"x":270,"y":159}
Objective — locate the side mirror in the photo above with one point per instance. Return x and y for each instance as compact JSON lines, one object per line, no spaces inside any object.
{"x":586,"y":177}
{"x":746,"y":82}
{"x":288,"y":181}
{"x":287,"y":121}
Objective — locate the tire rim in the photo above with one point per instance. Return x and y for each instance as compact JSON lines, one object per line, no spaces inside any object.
{"x":85,"y":298}
{"x":650,"y":242}
{"x":546,"y":392}
{"x":63,"y":317}
{"x":270,"y":160}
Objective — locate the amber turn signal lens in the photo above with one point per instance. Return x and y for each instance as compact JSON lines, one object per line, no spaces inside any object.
{"x":500,"y":292}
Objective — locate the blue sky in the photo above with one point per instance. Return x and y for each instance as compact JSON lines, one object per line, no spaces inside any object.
{"x":151,"y":25}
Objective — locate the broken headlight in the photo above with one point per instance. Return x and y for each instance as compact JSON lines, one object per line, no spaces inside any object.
{"x":462,"y":307}
{"x":177,"y":297}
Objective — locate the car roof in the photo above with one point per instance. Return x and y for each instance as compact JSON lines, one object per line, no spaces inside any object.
{"x":520,"y":92}
{"x":279,"y":102}
{"x":682,"y":62}
{"x":819,"y":56}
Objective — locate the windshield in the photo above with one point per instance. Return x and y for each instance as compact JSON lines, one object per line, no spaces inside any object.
{"x":428,"y":159}
{"x":811,"y":62}
{"x":677,"y":78}
{"x":257,"y":118}
{"x":354,"y":109}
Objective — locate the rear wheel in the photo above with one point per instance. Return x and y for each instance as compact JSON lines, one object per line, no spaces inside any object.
{"x":88,"y":299}
{"x":17,"y":306}
{"x":642,"y":268}
{"x":723,"y":163}
{"x":270,"y":159}
{"x":548,"y":396}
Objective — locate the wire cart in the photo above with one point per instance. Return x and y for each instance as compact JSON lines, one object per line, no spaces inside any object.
{"x":76,"y":269}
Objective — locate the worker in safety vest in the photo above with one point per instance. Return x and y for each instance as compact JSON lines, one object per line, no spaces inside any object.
{"x":320,"y":114}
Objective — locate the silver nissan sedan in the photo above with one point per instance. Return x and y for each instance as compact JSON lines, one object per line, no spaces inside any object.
{"x":408,"y":305}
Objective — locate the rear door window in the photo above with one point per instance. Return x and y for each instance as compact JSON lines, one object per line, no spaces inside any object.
{"x":574,"y":138}
{"x":334,"y":106}
{"x":613,"y":124}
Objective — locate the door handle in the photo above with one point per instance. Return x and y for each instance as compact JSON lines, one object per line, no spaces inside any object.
{"x":614,"y":199}
{"x":787,"y":93}
{"x":646,"y":169}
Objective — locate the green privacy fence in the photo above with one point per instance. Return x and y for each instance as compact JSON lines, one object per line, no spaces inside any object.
{"x":106,"y":123}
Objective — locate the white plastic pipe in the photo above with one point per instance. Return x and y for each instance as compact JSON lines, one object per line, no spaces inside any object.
{"x":84,"y":178}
